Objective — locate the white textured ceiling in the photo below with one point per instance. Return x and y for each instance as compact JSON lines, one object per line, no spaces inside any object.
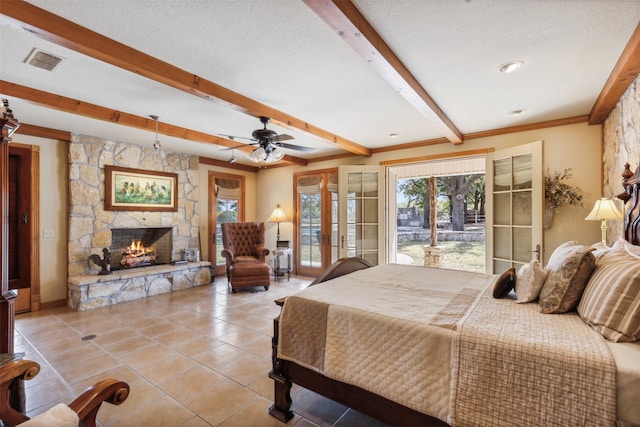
{"x":280,"y":53}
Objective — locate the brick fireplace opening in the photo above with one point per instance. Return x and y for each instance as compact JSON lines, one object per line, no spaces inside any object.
{"x":159,"y":239}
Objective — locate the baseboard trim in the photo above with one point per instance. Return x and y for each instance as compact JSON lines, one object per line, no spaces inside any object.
{"x":53,"y":304}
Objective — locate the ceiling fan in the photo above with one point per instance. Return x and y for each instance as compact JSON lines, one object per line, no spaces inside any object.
{"x":267,"y":142}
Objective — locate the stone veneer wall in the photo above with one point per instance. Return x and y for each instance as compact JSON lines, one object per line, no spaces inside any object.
{"x":621,"y":136}
{"x":90,"y":225}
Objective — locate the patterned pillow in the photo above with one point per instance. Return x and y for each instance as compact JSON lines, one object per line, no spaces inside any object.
{"x":504,"y":283}
{"x":611,"y":300}
{"x":529,"y":281}
{"x":568,"y":272}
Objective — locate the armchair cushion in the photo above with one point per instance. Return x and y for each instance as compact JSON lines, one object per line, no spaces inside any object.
{"x":58,"y":416}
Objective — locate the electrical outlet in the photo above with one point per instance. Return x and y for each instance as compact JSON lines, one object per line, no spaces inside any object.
{"x":49,"y":233}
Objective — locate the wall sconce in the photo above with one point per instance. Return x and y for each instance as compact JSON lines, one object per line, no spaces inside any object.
{"x":603,"y":210}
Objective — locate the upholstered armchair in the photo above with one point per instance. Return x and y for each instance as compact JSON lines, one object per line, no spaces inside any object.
{"x":244,"y":252}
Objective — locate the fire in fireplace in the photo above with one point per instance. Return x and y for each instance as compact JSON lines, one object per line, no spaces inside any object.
{"x":137,"y":255}
{"x":140,"y":247}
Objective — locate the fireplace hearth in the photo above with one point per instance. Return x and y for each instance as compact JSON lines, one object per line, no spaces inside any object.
{"x":140,"y":247}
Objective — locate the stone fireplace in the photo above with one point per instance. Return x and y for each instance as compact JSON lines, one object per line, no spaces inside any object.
{"x":157,"y":239}
{"x":93,"y":228}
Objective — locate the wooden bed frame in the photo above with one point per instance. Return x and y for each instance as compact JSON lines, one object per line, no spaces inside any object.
{"x":285,"y":373}
{"x":631,"y":194}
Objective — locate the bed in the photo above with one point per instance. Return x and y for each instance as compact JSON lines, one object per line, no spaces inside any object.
{"x":431,"y":347}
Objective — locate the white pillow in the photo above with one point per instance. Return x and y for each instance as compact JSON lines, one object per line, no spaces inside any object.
{"x":600,"y":249}
{"x":622,"y":244}
{"x":529,"y":281}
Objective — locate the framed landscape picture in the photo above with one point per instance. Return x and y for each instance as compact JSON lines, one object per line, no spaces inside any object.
{"x":128,"y":189}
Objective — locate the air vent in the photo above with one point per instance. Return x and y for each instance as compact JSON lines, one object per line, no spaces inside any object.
{"x":42,"y":59}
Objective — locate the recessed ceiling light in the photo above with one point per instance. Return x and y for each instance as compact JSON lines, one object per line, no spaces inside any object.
{"x":393,"y":135}
{"x":510,"y":67}
{"x":515,"y":113}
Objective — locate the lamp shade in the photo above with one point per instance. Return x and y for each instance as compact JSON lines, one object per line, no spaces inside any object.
{"x":604,"y":209}
{"x":277,"y":215}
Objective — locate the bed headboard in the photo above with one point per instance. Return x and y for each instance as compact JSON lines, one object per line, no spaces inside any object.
{"x":631,"y":199}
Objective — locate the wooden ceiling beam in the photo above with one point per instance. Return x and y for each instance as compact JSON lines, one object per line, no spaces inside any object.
{"x":43,"y":132}
{"x":93,"y":111}
{"x":345,"y":18}
{"x":623,"y":74}
{"x":55,"y":29}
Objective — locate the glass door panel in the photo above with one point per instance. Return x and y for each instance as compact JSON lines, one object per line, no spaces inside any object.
{"x":515,"y":199}
{"x":362,"y":209}
{"x":309,"y":230}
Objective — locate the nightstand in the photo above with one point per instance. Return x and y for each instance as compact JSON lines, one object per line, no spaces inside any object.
{"x":279,"y":268}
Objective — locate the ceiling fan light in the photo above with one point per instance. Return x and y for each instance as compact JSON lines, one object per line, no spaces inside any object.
{"x":268,"y":158}
{"x":277,"y":155}
{"x":257,"y":155}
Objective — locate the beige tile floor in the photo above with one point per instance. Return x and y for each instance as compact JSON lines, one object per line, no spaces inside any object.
{"x":197,"y":357}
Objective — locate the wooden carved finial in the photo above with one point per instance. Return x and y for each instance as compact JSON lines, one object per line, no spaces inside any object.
{"x":626,"y":183}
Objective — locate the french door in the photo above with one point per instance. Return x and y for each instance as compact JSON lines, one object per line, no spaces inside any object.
{"x":361,"y":213}
{"x":226,"y":204}
{"x":316,"y":220}
{"x":515,"y":196}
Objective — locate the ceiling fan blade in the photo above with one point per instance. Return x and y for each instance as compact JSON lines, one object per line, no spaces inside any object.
{"x":283,"y":137}
{"x":295,"y":147}
{"x":232,"y":137}
{"x":235,"y":147}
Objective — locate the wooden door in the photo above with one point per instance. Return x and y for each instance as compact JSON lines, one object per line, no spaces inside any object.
{"x":20,"y":225}
{"x":316,"y":221}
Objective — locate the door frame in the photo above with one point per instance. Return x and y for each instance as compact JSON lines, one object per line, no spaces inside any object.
{"x":325,"y":223}
{"x":220,"y":270}
{"x":30,"y":154}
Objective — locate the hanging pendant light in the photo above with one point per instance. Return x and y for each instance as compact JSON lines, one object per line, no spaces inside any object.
{"x":156,"y":144}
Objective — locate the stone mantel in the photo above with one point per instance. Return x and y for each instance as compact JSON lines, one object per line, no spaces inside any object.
{"x":87,"y":292}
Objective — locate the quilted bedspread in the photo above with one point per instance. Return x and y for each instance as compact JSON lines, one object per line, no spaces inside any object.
{"x":415,"y":336}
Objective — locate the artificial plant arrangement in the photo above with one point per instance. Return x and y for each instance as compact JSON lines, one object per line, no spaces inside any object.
{"x":557,"y":192}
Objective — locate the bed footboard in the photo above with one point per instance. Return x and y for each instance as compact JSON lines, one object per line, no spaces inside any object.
{"x":284,"y":373}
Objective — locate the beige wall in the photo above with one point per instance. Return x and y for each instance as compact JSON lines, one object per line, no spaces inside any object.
{"x":575,"y":146}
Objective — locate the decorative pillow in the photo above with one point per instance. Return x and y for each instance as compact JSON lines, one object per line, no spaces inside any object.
{"x":568,"y":272}
{"x":504,"y":283}
{"x":529,"y":281}
{"x":611,"y":300}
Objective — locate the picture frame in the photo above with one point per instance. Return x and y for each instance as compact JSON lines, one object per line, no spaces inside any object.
{"x":129,"y":189}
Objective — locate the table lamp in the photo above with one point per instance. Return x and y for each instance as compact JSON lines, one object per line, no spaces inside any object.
{"x":277,"y":216}
{"x":603,"y":210}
